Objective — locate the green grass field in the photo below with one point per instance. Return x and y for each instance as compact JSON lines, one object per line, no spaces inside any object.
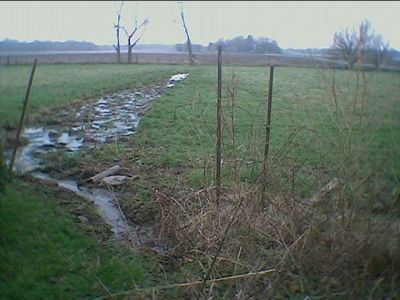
{"x":179,"y":130}
{"x":55,"y":85}
{"x":46,"y":255}
{"x":318,"y":132}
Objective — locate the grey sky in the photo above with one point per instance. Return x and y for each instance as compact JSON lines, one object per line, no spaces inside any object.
{"x":294,"y":24}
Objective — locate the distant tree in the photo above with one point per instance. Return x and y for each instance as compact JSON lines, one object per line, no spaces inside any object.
{"x":180,"y":47}
{"x":379,"y":50}
{"x":374,"y":48}
{"x":221,"y":43}
{"x":117,"y":27}
{"x":266,"y":45}
{"x":137,"y":32}
{"x":70,"y":45}
{"x":360,"y":46}
{"x":247,"y":45}
{"x":198,"y":48}
{"x":364,"y":42}
{"x":189,"y":42}
{"x":250,"y":44}
{"x":345,"y":46}
{"x":195,"y":47}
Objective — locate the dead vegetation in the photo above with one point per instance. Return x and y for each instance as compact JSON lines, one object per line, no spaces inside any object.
{"x":312,"y":249}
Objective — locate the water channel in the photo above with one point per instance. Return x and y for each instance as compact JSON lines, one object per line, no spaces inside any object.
{"x":102,"y":120}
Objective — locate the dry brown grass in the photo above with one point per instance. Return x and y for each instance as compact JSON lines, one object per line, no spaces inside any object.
{"x":310,"y":250}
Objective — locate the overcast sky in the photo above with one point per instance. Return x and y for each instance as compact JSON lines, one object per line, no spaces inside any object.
{"x":294,"y":24}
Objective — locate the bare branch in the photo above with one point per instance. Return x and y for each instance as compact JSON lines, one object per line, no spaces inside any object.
{"x":345,"y":45}
{"x":144,"y":26}
{"x":125,"y":30}
{"x":120,"y":8}
{"x":117,"y":27}
{"x":189,"y":43}
{"x":137,"y":30}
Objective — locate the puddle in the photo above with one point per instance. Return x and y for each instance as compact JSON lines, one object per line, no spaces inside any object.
{"x":110,"y":117}
{"x":41,"y":141}
{"x":105,"y":205}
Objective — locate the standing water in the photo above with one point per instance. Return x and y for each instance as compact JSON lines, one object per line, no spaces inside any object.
{"x":109,"y":118}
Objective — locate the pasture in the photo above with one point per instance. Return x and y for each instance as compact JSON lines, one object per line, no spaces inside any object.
{"x":56,"y":85}
{"x":326,"y":125}
{"x":169,"y":59}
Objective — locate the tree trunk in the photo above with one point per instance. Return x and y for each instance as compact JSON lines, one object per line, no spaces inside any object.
{"x":129,"y":56}
{"x":129,"y":52}
{"x":118,"y":48}
{"x":118,"y":54}
{"x":189,"y":43}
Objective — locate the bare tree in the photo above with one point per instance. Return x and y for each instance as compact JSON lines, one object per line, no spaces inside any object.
{"x":360,"y":46}
{"x":365,"y":36}
{"x":137,"y":31}
{"x":379,"y":50}
{"x":345,"y":44}
{"x":117,"y":27}
{"x":189,"y":42}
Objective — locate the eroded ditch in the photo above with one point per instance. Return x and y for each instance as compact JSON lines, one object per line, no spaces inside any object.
{"x":102,"y":120}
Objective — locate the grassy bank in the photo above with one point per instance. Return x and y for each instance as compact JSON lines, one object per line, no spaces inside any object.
{"x":46,"y":253}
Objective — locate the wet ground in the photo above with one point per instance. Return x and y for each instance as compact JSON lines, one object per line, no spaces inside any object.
{"x":108,"y":118}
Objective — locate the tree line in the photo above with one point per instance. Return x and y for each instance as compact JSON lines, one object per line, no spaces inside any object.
{"x":14,"y":45}
{"x":237,"y":44}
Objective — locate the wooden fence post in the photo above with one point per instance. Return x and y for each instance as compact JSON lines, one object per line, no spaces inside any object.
{"x":267,"y":137}
{"x":219,"y":128}
{"x":21,"y":120}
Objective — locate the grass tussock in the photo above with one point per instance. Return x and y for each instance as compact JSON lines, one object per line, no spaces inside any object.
{"x":314,"y":252}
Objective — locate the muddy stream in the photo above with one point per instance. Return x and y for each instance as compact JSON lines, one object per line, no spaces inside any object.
{"x":102,"y":120}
